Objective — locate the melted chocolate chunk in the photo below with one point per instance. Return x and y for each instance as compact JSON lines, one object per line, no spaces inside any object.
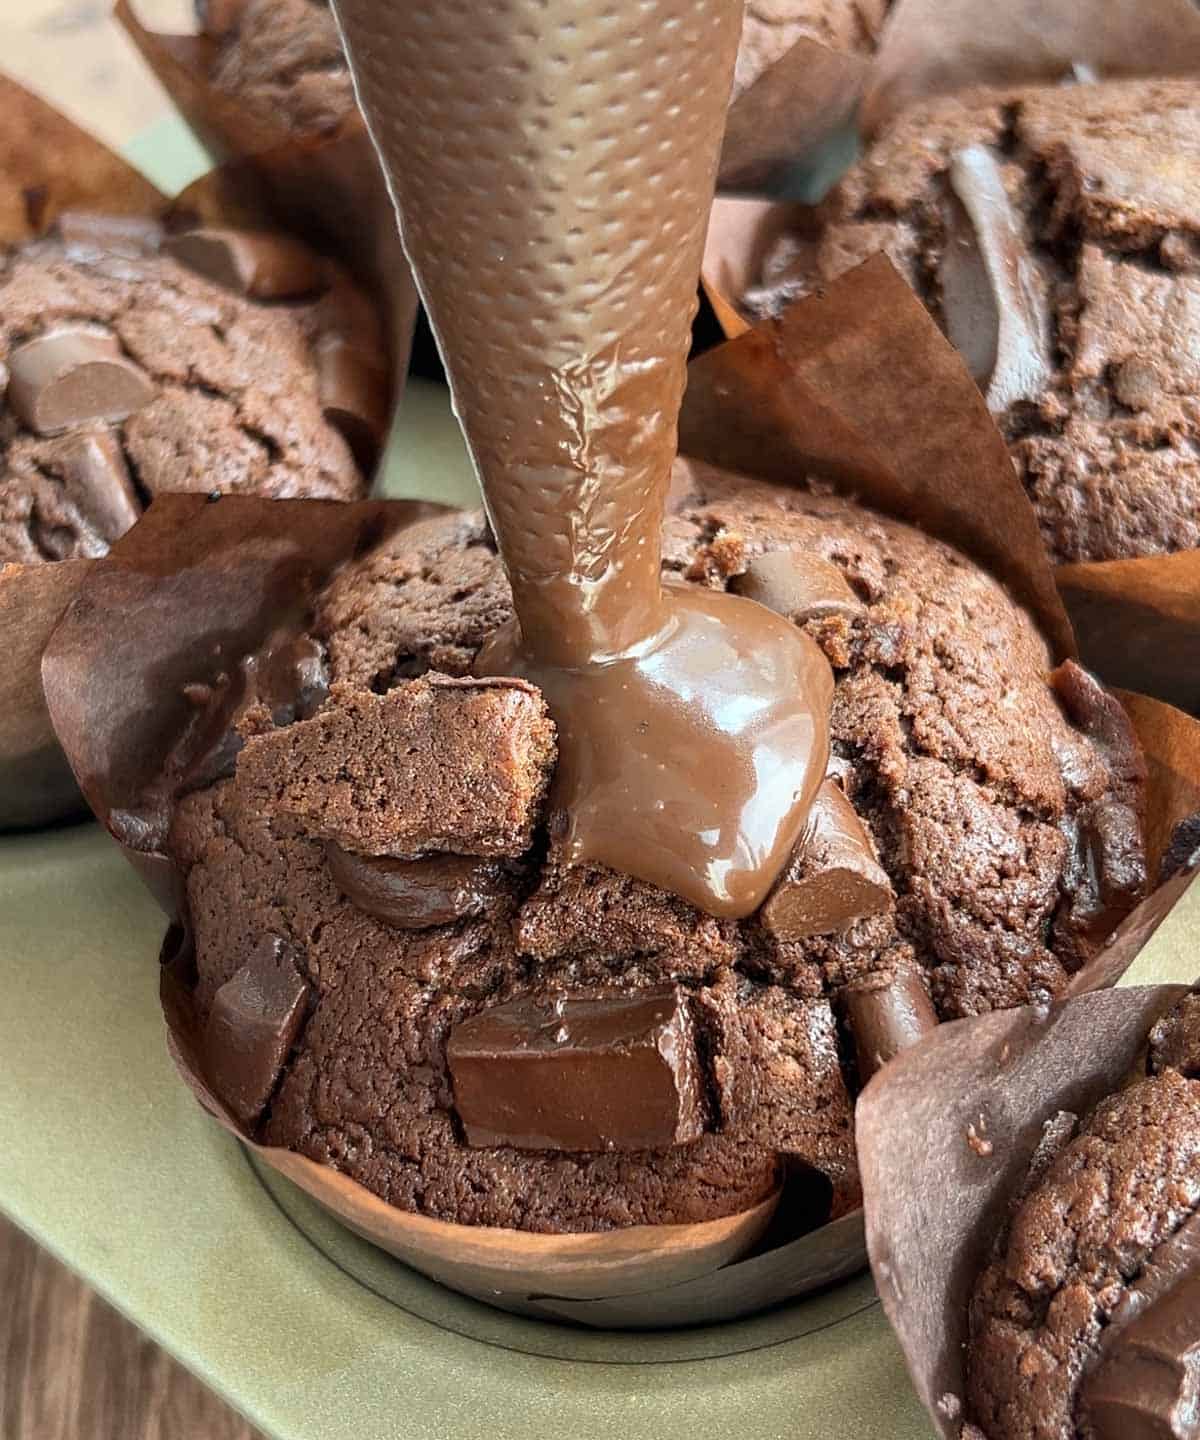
{"x":353,"y":390}
{"x":798,"y":585}
{"x":833,"y":879}
{"x":1175,"y":1040}
{"x":886,"y":1014}
{"x":255,"y":263}
{"x":96,"y":480}
{"x":1183,"y":848}
{"x":417,"y":894}
{"x":589,"y":1070}
{"x":993,"y":297}
{"x":252,"y":1026}
{"x":73,"y":375}
{"x":1146,"y":1384}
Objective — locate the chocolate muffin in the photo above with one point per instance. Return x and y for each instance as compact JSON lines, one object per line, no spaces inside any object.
{"x":771,"y":27}
{"x":1085,"y":1323}
{"x":283,"y":59}
{"x":126,"y":371}
{"x":1053,"y":234}
{"x":385,"y":934}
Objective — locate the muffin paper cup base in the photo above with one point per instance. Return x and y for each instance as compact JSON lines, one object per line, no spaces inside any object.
{"x":195,"y":585}
{"x":934,"y":1200}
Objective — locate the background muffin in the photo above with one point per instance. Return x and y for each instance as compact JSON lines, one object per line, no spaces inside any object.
{"x":1057,"y":246}
{"x":130,"y":373}
{"x":1003,"y":842}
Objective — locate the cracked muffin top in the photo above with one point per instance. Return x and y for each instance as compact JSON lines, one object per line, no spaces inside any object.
{"x":1053,"y":233}
{"x":126,"y":371}
{"x":1085,"y":1322}
{"x":385,"y":935}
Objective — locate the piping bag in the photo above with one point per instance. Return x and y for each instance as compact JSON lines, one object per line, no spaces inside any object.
{"x":552,"y":163}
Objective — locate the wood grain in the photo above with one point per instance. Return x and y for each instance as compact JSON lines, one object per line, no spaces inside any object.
{"x":72,"y":1369}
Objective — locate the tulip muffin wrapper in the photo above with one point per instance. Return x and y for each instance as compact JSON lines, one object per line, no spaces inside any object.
{"x":49,"y":166}
{"x":264,"y":156}
{"x":946,"y":1134}
{"x":196,"y":585}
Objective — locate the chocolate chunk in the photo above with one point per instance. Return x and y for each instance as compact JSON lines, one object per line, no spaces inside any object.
{"x":435,"y":764}
{"x":1183,"y":848}
{"x":993,"y":296}
{"x":252,"y":1026}
{"x":1175,"y":1040}
{"x":287,"y":678}
{"x":833,"y":878}
{"x":589,"y":1070}
{"x":886,"y":1014}
{"x":91,"y":466}
{"x":416,"y":894}
{"x":798,"y":585}
{"x":353,"y":391}
{"x":87,"y":233}
{"x":73,"y":375}
{"x":1146,"y":1385}
{"x":255,"y":263}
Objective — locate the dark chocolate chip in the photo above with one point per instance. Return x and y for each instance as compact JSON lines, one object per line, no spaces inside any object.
{"x":74,"y":375}
{"x":993,"y":296}
{"x":1183,"y":848}
{"x":1175,"y":1040}
{"x":1146,"y":1383}
{"x":798,"y":585}
{"x":417,"y":894}
{"x":590,"y":1070}
{"x":256,"y":263}
{"x":91,"y":466}
{"x":886,"y":1014}
{"x":353,"y":391}
{"x":833,"y":878}
{"x":252,"y":1026}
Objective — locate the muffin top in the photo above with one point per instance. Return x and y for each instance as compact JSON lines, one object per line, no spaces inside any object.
{"x":1053,"y":234}
{"x":381,"y":855}
{"x":128,"y":372}
{"x":281,"y":58}
{"x":771,"y":27}
{"x":1074,"y":1324}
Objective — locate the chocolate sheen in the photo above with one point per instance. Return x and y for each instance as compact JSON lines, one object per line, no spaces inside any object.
{"x":993,"y":298}
{"x":252,"y":1026}
{"x":589,"y":1070}
{"x":886,"y":1014}
{"x":798,"y":585}
{"x":692,"y":725}
{"x":256,"y":263}
{"x":415,"y":894}
{"x":833,"y":879}
{"x":1146,"y":1383}
{"x":72,"y":375}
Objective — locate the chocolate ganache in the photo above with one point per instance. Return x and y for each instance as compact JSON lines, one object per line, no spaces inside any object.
{"x":552,"y":164}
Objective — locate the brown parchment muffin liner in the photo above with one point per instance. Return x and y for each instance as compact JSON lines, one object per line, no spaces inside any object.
{"x":196,"y":584}
{"x":48,"y":165}
{"x":934,"y":1201}
{"x":269,"y":157}
{"x":929,"y":47}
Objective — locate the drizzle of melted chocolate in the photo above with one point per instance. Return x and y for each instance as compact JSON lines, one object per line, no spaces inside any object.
{"x":552,"y":163}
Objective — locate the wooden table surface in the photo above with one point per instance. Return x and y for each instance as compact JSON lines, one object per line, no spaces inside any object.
{"x":70,"y":1367}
